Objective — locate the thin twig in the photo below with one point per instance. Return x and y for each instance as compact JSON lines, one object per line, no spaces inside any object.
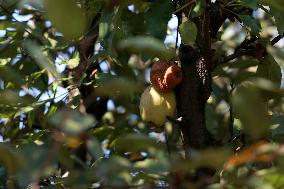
{"x":167,"y":142}
{"x":223,"y":60}
{"x":184,"y":6}
{"x":276,"y":39}
{"x":231,"y":123}
{"x":177,"y":31}
{"x":242,"y":52}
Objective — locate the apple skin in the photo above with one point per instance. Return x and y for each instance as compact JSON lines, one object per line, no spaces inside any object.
{"x":165,"y":75}
{"x":156,"y":106}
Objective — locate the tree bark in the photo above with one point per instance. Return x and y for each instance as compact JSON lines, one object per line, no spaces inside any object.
{"x":192,"y":95}
{"x":195,"y":88}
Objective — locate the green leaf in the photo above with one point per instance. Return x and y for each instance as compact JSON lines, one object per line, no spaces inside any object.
{"x":251,"y":108}
{"x":278,"y":55}
{"x":277,"y":128}
{"x":34,"y":50}
{"x":10,"y":74}
{"x":12,"y":98}
{"x":72,"y":122}
{"x":23,"y":110}
{"x":135,"y":22}
{"x":159,"y":12}
{"x":9,"y":4}
{"x":106,"y":29}
{"x":114,"y":86}
{"x":93,"y":8}
{"x":250,"y":3}
{"x":214,"y":158}
{"x":188,"y":32}
{"x":74,"y":61}
{"x":115,"y":171}
{"x":279,"y":17}
{"x":38,"y":161}
{"x":103,"y":29}
{"x":272,"y":176}
{"x":9,"y":159}
{"x":71,"y":23}
{"x":95,"y":148}
{"x":133,"y":142}
{"x":270,"y":70}
{"x":31,"y":118}
{"x":273,"y":3}
{"x":212,"y":123}
{"x":148,"y":45}
{"x":251,"y":23}
{"x":38,"y":4}
{"x":156,"y":165}
{"x":199,"y":8}
{"x":102,"y":133}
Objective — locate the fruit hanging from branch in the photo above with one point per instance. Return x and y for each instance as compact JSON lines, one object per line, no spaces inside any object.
{"x":165,"y":75}
{"x":158,"y":101}
{"x":156,"y":106}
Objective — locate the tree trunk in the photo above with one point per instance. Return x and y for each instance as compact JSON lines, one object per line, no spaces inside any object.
{"x":192,"y":95}
{"x":195,"y":89}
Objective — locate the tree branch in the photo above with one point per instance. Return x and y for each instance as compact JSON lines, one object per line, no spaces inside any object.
{"x":243,"y":51}
{"x":223,"y":60}
{"x":276,"y":39}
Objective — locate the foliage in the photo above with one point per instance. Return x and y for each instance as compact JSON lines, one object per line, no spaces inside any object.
{"x":69,"y":118}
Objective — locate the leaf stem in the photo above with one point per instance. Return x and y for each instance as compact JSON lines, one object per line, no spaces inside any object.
{"x":184,"y":6}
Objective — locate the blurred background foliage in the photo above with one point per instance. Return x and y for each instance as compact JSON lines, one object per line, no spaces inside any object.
{"x":62,"y":127}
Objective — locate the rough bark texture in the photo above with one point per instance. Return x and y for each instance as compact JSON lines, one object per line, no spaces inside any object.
{"x":192,"y":95}
{"x":197,"y":65}
{"x":195,"y":89}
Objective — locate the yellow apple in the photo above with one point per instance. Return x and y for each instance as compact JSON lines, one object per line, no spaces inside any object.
{"x":156,"y":106}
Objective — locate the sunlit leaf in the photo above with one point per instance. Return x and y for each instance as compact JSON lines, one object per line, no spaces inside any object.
{"x":23,"y":110}
{"x":199,"y":8}
{"x":273,"y":177}
{"x":133,"y":142}
{"x":74,"y":61}
{"x":188,"y":32}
